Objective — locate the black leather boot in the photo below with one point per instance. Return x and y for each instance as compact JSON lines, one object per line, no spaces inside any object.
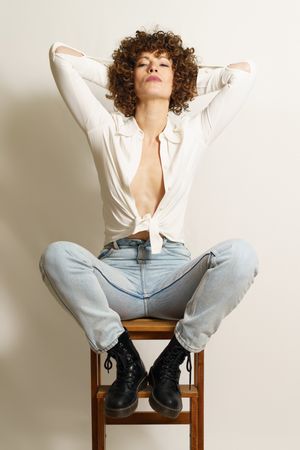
{"x":121,"y":398}
{"x":165,"y":397}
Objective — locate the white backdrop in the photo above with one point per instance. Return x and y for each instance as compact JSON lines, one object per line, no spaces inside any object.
{"x":247,"y":187}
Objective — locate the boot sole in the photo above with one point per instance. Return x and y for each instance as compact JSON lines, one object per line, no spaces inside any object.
{"x":162,"y":409}
{"x":159,"y":407}
{"x":125,"y":412}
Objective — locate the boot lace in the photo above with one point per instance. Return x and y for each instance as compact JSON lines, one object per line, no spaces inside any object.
{"x":170,"y":369}
{"x":123,"y":374}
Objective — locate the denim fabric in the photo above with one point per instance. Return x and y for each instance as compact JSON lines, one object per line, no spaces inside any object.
{"x":126,"y":281}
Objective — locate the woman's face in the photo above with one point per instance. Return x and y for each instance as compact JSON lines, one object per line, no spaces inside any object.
{"x":147,"y":64}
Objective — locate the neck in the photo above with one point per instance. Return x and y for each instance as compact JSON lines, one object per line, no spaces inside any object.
{"x":152,"y":117}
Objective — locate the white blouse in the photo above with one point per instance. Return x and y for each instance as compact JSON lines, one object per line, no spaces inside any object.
{"x":116,"y":141}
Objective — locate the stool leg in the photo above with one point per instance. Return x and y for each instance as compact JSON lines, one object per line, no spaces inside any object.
{"x":102,"y":425}
{"x":94,"y":404}
{"x":199,"y":368}
{"x":197,"y":405}
{"x":97,"y":405}
{"x":194,"y":424}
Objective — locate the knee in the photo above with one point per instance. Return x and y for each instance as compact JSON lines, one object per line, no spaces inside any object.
{"x":245,"y":258}
{"x":53,"y":255}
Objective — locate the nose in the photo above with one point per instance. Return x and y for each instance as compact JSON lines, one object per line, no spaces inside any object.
{"x":152,"y":67}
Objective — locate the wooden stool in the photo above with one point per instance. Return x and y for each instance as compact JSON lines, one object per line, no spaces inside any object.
{"x":149,"y":329}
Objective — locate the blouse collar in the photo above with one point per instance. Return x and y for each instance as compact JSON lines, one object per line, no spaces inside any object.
{"x":128,"y":126}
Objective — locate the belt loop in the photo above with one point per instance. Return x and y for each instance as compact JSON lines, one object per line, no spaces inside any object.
{"x":115,"y":245}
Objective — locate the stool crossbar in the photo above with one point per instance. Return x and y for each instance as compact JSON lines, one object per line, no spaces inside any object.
{"x":149,"y":329}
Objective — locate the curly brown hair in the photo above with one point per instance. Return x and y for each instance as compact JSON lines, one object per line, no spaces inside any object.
{"x":121,"y":71}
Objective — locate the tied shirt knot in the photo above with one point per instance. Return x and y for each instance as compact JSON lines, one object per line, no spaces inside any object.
{"x":151,"y":223}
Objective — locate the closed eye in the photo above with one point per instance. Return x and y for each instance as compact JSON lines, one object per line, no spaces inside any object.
{"x":166,"y":65}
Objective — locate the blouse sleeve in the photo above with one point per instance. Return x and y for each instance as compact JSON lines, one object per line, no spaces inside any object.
{"x":234,"y":86}
{"x":70,"y":73}
{"x":209,"y":79}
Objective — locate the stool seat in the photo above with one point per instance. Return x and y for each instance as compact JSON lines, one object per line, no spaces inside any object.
{"x":149,"y":329}
{"x":184,"y":390}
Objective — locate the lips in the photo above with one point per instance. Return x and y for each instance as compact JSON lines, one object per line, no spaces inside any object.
{"x":153,"y":78}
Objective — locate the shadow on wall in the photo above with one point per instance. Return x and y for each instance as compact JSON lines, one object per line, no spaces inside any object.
{"x":49,"y":191}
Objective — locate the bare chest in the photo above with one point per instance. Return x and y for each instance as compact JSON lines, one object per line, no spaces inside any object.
{"x":147,"y":186}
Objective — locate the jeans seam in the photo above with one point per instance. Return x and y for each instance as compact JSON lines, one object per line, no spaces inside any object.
{"x":115,"y":286}
{"x":177,"y":279}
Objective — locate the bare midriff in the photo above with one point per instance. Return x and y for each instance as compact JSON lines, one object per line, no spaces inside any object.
{"x":141,"y":235}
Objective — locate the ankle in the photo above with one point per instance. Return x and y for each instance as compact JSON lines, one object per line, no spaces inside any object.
{"x":180,"y":345}
{"x":123,"y":337}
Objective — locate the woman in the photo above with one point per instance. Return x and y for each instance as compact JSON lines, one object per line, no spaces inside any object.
{"x":146,"y":161}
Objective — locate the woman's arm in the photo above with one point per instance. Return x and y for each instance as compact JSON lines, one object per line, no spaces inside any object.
{"x":70,"y":67}
{"x":68,"y":51}
{"x":209,"y":78}
{"x":242,"y":66}
{"x":234,"y":83}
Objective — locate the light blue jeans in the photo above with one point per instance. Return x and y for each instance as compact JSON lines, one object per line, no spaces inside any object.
{"x":126,"y":281}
